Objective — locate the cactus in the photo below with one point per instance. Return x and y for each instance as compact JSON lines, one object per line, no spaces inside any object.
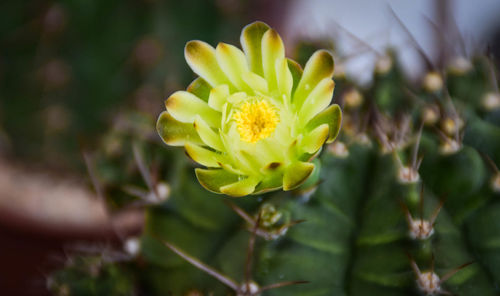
{"x":405,"y":202}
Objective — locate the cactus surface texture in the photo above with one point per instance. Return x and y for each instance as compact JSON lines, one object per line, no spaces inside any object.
{"x":405,"y":202}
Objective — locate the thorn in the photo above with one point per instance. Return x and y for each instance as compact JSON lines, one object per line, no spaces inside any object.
{"x":293,"y":223}
{"x":202,"y":266}
{"x":93,"y":177}
{"x":365,"y":121}
{"x":415,"y":149}
{"x":141,"y":164}
{"x":436,"y":28}
{"x":240,"y":212}
{"x":419,"y":162}
{"x":491,"y":164}
{"x":398,"y":159}
{"x":405,"y":209}
{"x":449,"y":146}
{"x":452,"y":272}
{"x":436,"y":213}
{"x":280,"y":285}
{"x":422,"y":204}
{"x":138,"y":192}
{"x":461,"y":40}
{"x":355,"y":37}
{"x":413,"y":264}
{"x":411,"y":94}
{"x":493,"y":76}
{"x":418,"y":48}
{"x":100,"y":192}
{"x":251,"y":246}
{"x":454,"y":114}
{"x":432,"y":269}
{"x":382,"y":137}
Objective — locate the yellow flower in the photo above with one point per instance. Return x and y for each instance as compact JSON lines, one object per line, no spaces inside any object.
{"x":253,"y":118}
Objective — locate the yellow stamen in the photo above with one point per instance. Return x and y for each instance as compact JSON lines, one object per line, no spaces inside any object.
{"x":256,"y":121}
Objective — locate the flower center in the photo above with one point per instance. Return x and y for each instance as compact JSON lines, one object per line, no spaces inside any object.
{"x":256,"y":121}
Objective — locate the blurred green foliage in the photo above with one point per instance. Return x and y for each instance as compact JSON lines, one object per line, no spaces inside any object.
{"x":69,"y":68}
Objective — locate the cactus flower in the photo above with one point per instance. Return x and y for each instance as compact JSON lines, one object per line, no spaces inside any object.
{"x":253,"y":118}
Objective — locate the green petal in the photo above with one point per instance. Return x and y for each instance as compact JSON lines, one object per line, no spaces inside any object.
{"x":218,"y":97}
{"x":251,"y":41}
{"x":237,"y":98}
{"x":204,"y":156}
{"x":331,"y":116}
{"x":293,"y":150}
{"x":296,"y":71}
{"x":319,"y":67}
{"x":176,"y":133}
{"x":273,"y":179}
{"x":296,"y":174}
{"x":184,"y":107}
{"x":214,"y":179}
{"x":233,"y":63}
{"x":200,"y":88}
{"x":201,"y":57}
{"x":285,"y":78}
{"x":241,"y":188}
{"x":256,"y":82}
{"x":207,"y":134}
{"x":313,"y":141}
{"x":239,"y":157}
{"x":273,"y":51}
{"x":270,"y":183}
{"x":317,"y":100}
{"x":228,"y":167}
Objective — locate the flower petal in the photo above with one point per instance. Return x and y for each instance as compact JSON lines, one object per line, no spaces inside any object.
{"x":184,"y":107}
{"x":214,"y":179}
{"x":238,"y":156}
{"x":241,"y":188}
{"x":296,"y":174}
{"x":273,"y":51}
{"x":284,"y":77}
{"x":207,"y":134}
{"x":317,"y":100}
{"x":331,"y":116}
{"x":273,"y":179}
{"x":176,"y":133}
{"x":201,"y":57}
{"x":296,"y":71}
{"x":233,"y":63}
{"x":272,"y":183}
{"x":256,"y":82}
{"x":319,"y":66}
{"x":251,"y":40}
{"x":200,"y":88}
{"x":237,"y":98}
{"x":313,"y":140}
{"x":218,"y":97}
{"x":204,"y":156}
{"x":228,"y":167}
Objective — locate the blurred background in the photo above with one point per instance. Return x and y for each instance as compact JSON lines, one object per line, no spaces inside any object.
{"x":83,"y":81}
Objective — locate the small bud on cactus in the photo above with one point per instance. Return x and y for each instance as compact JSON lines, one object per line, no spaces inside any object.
{"x":495,"y":182}
{"x":338,"y":149}
{"x":353,"y":98}
{"x":433,"y":82}
{"x":383,"y":65}
{"x":491,"y":101}
{"x":459,"y":66}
